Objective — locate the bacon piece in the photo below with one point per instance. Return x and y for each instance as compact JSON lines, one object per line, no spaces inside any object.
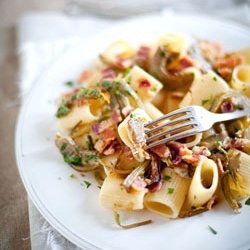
{"x":106,"y":137}
{"x":126,"y":151}
{"x":139,"y":184}
{"x":162,"y":151}
{"x":112,"y":147}
{"x":185,"y":62}
{"x":219,"y":166}
{"x":179,"y":153}
{"x":155,"y":186}
{"x":227,"y":107}
{"x":238,"y":143}
{"x":108,"y":73}
{"x":114,"y":119}
{"x":155,"y":175}
{"x":191,"y":159}
{"x":143,"y":56}
{"x":177,"y":94}
{"x":85,"y":75}
{"x":144,"y":84}
{"x":225,"y":65}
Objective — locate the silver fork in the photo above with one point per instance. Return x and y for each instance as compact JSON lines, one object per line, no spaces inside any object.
{"x":195,"y":117}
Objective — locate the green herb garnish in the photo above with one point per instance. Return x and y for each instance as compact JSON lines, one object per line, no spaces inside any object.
{"x":126,"y":72}
{"x":212,"y":230}
{"x":117,"y":92}
{"x":170,"y":190}
{"x":72,"y":176}
{"x":63,"y":147}
{"x":75,"y":96}
{"x":94,"y":93}
{"x":215,"y":78}
{"x":73,"y":159}
{"x":247,"y":202}
{"x":88,"y":157}
{"x":88,"y":145}
{"x":167,"y":178}
{"x":62,"y":111}
{"x":84,"y":91}
{"x":105,"y":118}
{"x":87,"y":183}
{"x":209,"y":100}
{"x":69,"y":83}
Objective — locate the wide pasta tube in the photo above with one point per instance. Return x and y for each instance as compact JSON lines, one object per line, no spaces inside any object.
{"x":113,"y":195}
{"x":241,"y":79}
{"x":170,"y":198}
{"x":204,"y":183}
{"x":76,"y":115}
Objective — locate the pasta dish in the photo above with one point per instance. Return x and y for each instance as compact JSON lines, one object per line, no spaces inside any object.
{"x":102,"y":122}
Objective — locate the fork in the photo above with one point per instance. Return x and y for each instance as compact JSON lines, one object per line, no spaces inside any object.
{"x":195,"y":118}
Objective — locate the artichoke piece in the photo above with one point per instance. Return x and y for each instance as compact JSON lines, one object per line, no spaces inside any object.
{"x":122,"y":94}
{"x":239,"y":100}
{"x":235,"y":181}
{"x":159,"y":64}
{"x":78,"y":158}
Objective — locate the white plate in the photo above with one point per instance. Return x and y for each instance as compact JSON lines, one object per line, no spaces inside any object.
{"x":73,"y":209}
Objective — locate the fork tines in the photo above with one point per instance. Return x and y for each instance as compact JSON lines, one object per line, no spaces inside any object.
{"x":181,"y":118}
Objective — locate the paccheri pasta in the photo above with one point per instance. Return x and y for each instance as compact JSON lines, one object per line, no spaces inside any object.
{"x":104,"y":116}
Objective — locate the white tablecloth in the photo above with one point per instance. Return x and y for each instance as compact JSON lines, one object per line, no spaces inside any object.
{"x":41,"y":38}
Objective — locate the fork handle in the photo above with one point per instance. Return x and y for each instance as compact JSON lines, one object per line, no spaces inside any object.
{"x":230,"y":116}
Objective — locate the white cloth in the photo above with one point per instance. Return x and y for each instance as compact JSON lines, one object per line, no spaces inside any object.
{"x":41,"y":38}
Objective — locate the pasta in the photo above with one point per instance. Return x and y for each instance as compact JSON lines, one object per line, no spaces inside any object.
{"x":241,"y":79}
{"x":169,"y":200}
{"x":114,"y":195}
{"x":204,"y":183}
{"x":104,"y":122}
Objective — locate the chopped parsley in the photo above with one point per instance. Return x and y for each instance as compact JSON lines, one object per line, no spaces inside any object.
{"x":212,"y":230}
{"x":247,"y":202}
{"x":72,"y":176}
{"x":84,"y":91}
{"x":162,"y":54}
{"x":105,"y":118}
{"x":63,"y":147}
{"x":129,"y":79}
{"x":94,"y":93}
{"x":87,"y":183}
{"x":106,"y":85}
{"x":128,"y":92}
{"x":88,"y":157}
{"x":88,"y":144}
{"x":62,"y":110}
{"x":75,"y":96}
{"x":126,"y":72}
{"x":209,"y":100}
{"x":219,"y":143}
{"x":170,"y":190}
{"x":117,"y":92}
{"x":215,"y":78}
{"x":167,"y":178}
{"x":154,"y":89}
{"x":223,"y":151}
{"x":132,"y":115}
{"x":69,"y":83}
{"x":73,"y":159}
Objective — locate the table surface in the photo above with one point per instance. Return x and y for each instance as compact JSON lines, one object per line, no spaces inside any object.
{"x":14,"y":220}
